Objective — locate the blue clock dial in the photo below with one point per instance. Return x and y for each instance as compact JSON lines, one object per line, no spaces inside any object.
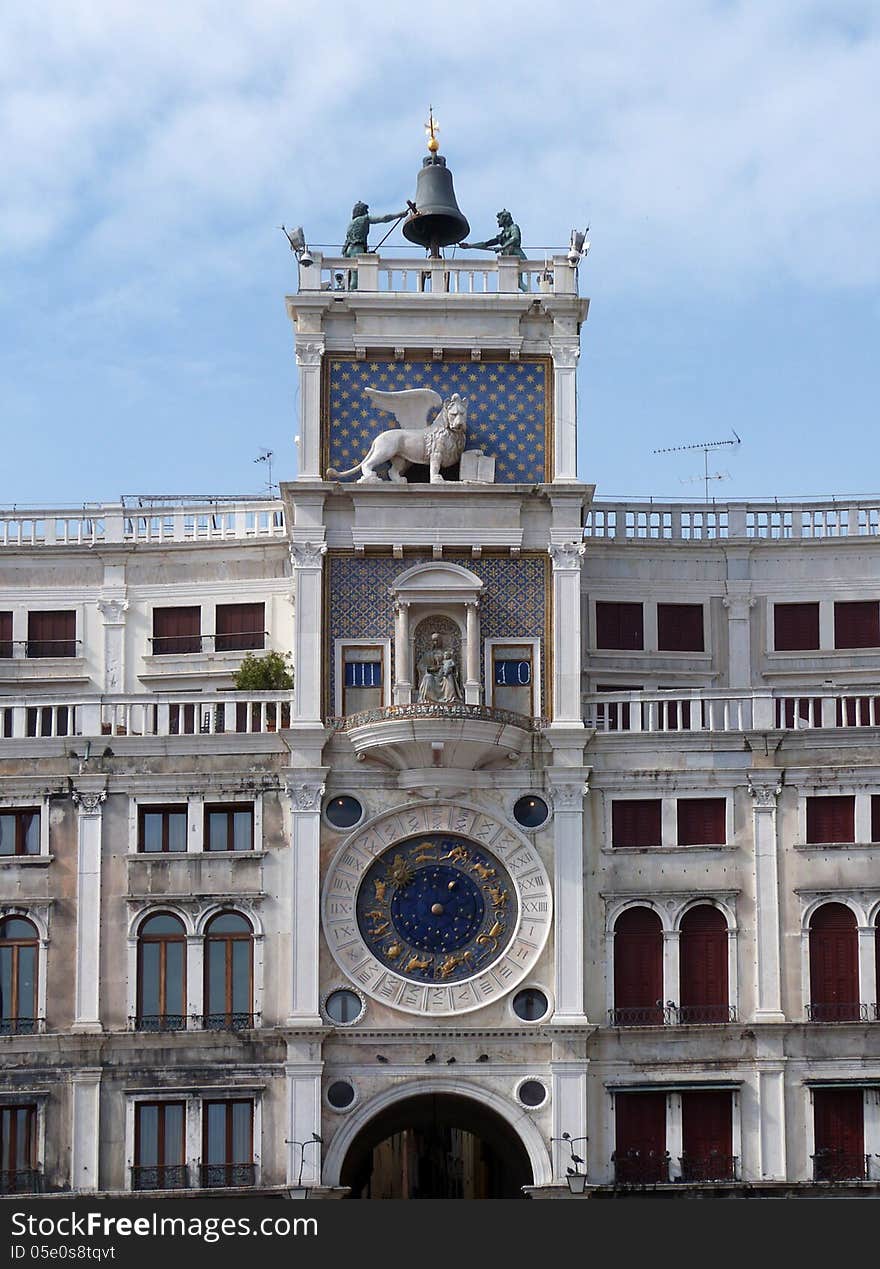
{"x":437,"y":908}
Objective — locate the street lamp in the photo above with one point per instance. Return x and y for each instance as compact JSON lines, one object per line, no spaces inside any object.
{"x":300,"y":1191}
{"x":576,"y":1179}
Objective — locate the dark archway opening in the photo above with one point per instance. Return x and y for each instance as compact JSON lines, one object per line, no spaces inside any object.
{"x":437,"y":1146}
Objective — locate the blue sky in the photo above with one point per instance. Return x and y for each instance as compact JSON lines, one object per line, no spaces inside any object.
{"x":725,"y":153}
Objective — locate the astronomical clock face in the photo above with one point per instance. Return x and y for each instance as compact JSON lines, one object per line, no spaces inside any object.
{"x":437,"y":910}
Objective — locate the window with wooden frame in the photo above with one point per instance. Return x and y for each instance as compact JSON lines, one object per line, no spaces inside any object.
{"x":857,"y":623}
{"x":240,"y":627}
{"x":51,"y":634}
{"x":680,"y":628}
{"x":620,"y":626}
{"x":161,"y":974}
{"x":875,"y":817}
{"x":834,"y":965}
{"x":707,"y":1135}
{"x":177,"y":630}
{"x":6,"y":648}
{"x":703,"y":968}
{"x":19,"y":952}
{"x":636,"y":822}
{"x":638,"y":969}
{"x":839,"y":1134}
{"x":229,"y":973}
{"x":19,"y":1172}
{"x":162,"y":829}
{"x":702,"y":821}
{"x":832,"y":818}
{"x":159,"y":1146}
{"x":363,"y":677}
{"x":795,"y":627}
{"x":513,"y":675}
{"x":228,"y":1143}
{"x":20,"y":831}
{"x":640,"y":1156}
{"x":229,"y":827}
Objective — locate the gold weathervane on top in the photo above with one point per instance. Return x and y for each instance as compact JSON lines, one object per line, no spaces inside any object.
{"x":432,"y":128}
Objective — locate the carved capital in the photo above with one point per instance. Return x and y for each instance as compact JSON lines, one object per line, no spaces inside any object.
{"x":88,"y":802}
{"x":738,"y":605}
{"x":305,"y":795}
{"x":567,"y":555}
{"x":309,"y":353}
{"x":113,"y":611}
{"x":307,"y":554}
{"x":569,"y":797}
{"x":565,"y":356}
{"x":765,"y":794}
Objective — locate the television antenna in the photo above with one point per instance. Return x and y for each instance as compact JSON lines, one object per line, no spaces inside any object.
{"x":266,"y":456}
{"x":705,"y":446}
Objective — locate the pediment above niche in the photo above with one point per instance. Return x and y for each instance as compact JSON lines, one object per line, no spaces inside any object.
{"x":437,"y":582}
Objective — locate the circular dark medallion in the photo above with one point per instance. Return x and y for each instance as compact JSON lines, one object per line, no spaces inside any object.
{"x":436,"y":908}
{"x":343,"y":811}
{"x":530,"y":811}
{"x":340,"y":1094}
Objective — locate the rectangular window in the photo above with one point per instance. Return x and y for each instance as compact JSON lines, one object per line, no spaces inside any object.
{"x":159,"y":1147}
{"x":51,"y":634}
{"x":162,"y":829}
{"x":5,"y":635}
{"x":839,"y":1134}
{"x":702,"y":821}
{"x":680,"y":627}
{"x":875,"y":817}
{"x":229,"y":827}
{"x":832,"y":819}
{"x":363,"y":677}
{"x":795,"y":627}
{"x":20,"y":832}
{"x":636,"y":822}
{"x":228,"y":1146}
{"x":707,"y":1135}
{"x":640,"y":1156}
{"x":18,"y":1149}
{"x":857,"y":624}
{"x":240,"y":627}
{"x":620,"y":626}
{"x":177,"y":630}
{"x":512,"y":686}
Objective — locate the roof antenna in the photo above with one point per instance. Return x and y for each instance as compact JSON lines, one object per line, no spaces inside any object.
{"x":705,"y":446}
{"x":266,"y":456}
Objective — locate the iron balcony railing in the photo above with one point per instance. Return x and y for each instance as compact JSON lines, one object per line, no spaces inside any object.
{"x":228,"y":1021}
{"x":161,"y":1176}
{"x":709,"y":1167}
{"x":640,"y":1167}
{"x":177,"y":645}
{"x":158,"y":1022}
{"x":22,"y":1026}
{"x":841,"y":1011}
{"x":840,"y":1165}
{"x":22,"y":1181}
{"x":671,"y":1015}
{"x":38,"y":649}
{"x":222,"y":1175}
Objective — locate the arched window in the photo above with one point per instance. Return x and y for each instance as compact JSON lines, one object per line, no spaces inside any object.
{"x":638,"y":969}
{"x":834,"y":965}
{"x":703,"y":966}
{"x":229,"y":972}
{"x":161,"y":997}
{"x":19,"y":945}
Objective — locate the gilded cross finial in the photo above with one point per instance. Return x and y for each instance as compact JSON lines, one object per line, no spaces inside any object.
{"x":432,"y":128}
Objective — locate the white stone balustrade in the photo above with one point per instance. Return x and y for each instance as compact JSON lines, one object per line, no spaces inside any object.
{"x":215,"y":714}
{"x":457,"y":276}
{"x":113,"y":522}
{"x":706,"y":522}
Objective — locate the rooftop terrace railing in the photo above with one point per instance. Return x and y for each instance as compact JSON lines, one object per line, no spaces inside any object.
{"x":115,"y":523}
{"x":213,"y":714}
{"x":464,"y":275}
{"x":714,"y":521}
{"x":713,"y":710}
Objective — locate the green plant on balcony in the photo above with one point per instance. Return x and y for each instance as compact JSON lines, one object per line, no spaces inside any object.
{"x":270,"y":673}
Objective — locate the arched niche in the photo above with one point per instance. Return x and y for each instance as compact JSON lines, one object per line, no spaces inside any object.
{"x":444,"y":593}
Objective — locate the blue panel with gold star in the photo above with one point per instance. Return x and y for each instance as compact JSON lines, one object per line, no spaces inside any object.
{"x":508,"y":409}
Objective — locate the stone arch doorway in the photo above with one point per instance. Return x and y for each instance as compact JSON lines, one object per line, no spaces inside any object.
{"x":436,"y":1145}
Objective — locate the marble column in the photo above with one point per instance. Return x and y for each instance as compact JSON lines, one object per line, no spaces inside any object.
{"x":85,"y":1134}
{"x":566,"y":621}
{"x":565,"y":354}
{"x":765,"y":788}
{"x":739,"y":604}
{"x":472,"y":667}
{"x":88,"y":802}
{"x":303,"y":1072}
{"x":402,"y":669}
{"x":113,"y":610}
{"x":305,"y":790}
{"x":307,"y":559}
{"x":569,"y":1068}
{"x":309,"y":352}
{"x":568,"y":789}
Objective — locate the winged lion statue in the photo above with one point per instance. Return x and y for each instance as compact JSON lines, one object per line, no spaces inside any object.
{"x":437,"y":444}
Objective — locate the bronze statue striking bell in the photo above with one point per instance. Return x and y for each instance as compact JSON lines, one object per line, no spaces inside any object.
{"x":437,"y":221}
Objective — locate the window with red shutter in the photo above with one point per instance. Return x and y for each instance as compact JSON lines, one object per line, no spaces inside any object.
{"x":834,"y":965}
{"x":177,"y":630}
{"x":240,"y":627}
{"x":707,"y":1135}
{"x":5,"y":634}
{"x":640,"y":1138}
{"x":875,"y":817}
{"x":636,"y":822}
{"x":638,"y":969}
{"x":839,"y":1134}
{"x":795,"y":627}
{"x":51,"y":634}
{"x":702,"y":821}
{"x":703,"y":966}
{"x":680,"y":627}
{"x":831,"y":819}
{"x":857,"y":624}
{"x":620,"y":626}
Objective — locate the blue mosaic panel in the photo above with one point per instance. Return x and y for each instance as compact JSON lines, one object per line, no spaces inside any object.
{"x":507,"y":409}
{"x":359,"y":605}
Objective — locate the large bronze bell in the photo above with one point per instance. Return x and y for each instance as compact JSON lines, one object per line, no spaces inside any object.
{"x":437,"y":221}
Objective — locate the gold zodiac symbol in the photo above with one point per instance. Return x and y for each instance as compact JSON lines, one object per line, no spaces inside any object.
{"x":423,"y":857}
{"x":381,"y":887}
{"x":458,"y":854}
{"x":415,"y":963}
{"x":451,"y":964}
{"x":393,"y":951}
{"x":400,"y":871}
{"x":498,"y":896}
{"x":482,"y":871}
{"x":490,"y":938}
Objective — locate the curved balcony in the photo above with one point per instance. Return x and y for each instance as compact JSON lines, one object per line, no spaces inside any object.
{"x":424,"y":736}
